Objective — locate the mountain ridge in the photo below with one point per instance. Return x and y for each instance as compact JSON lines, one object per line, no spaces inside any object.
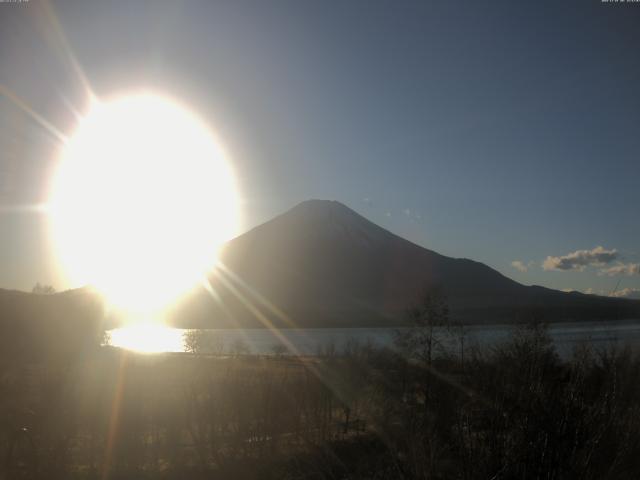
{"x":321,"y":264}
{"x":327,"y":265}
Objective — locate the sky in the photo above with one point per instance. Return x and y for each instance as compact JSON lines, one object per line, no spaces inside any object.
{"x":500,"y":131}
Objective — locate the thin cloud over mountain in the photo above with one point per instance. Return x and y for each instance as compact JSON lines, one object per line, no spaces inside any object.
{"x":631,"y":293}
{"x":580,"y":259}
{"x":621,"y":269}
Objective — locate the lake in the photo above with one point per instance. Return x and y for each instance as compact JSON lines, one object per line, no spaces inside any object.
{"x":311,"y":341}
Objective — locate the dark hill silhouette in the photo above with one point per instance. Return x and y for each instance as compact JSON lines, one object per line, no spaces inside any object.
{"x":62,"y":325}
{"x":323,"y":264}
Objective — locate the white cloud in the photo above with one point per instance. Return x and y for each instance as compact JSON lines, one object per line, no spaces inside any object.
{"x":633,"y":293}
{"x":621,"y":269}
{"x":588,"y":291}
{"x":519,"y":265}
{"x":580,"y":259}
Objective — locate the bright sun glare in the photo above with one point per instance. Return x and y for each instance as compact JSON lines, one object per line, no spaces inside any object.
{"x":148,"y":338}
{"x":141,"y":202}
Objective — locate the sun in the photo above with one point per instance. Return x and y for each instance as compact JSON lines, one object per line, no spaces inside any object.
{"x":141,"y":202}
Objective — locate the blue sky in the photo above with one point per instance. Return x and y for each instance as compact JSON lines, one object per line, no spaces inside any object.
{"x":496,"y":131}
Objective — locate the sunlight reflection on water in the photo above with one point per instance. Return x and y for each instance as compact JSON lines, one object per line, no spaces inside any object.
{"x":148,"y":338}
{"x":311,"y":341}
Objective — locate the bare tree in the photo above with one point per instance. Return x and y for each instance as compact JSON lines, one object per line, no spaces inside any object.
{"x":240,"y":347}
{"x":42,"y":289}
{"x":423,"y":337}
{"x":459,"y":332}
{"x":200,"y":341}
{"x":279,"y":350}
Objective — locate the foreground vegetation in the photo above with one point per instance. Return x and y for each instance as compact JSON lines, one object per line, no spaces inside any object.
{"x":515,"y":411}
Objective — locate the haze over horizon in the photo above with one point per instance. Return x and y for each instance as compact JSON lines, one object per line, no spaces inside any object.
{"x":501,"y":134}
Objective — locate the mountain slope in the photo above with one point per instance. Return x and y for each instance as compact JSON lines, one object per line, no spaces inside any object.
{"x":322,"y":264}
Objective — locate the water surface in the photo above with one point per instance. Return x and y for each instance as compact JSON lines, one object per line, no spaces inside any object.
{"x":313,"y":341}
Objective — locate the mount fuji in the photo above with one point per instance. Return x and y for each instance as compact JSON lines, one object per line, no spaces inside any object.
{"x":323,"y":265}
